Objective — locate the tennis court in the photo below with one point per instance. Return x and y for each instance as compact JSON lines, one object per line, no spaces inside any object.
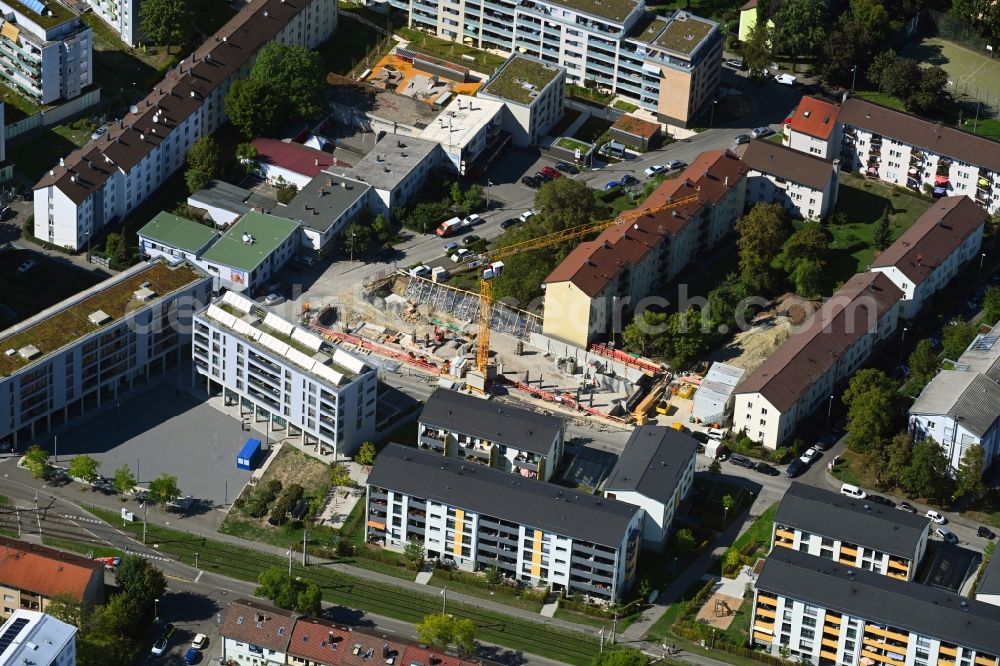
{"x":970,"y":73}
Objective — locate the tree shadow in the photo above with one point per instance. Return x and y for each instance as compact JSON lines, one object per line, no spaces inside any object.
{"x":500,"y":655}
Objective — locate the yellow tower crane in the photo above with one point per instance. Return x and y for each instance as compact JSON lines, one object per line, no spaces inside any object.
{"x":573,"y":233}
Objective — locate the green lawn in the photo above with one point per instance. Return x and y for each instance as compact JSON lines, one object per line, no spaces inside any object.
{"x":627,"y":107}
{"x":759,"y":531}
{"x":385,"y":599}
{"x":82,"y":547}
{"x":17,"y":106}
{"x":439,"y":580}
{"x":33,"y":157}
{"x":588,"y":94}
{"x":421,"y":42}
{"x":661,"y":628}
{"x":862,"y":201}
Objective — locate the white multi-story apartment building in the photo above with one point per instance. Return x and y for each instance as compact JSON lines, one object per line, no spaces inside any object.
{"x":469,"y":132}
{"x":533,"y":97}
{"x":804,"y":185}
{"x":121,"y":15}
{"x":826,"y":349}
{"x":928,"y":255}
{"x":96,"y":187}
{"x":827,"y":614}
{"x":669,"y":66}
{"x":960,"y":407}
{"x":654,"y":472}
{"x":285,"y":374}
{"x":919,"y":154}
{"x":30,"y":637}
{"x":812,"y":128}
{"x":516,"y":440}
{"x":850,"y":531}
{"x":46,"y":51}
{"x":396,"y":168}
{"x":586,"y":293}
{"x":79,"y":354}
{"x":477,"y":517}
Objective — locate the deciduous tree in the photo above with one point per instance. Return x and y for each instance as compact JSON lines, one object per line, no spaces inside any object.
{"x":84,"y":467}
{"x":442,"y":630}
{"x":872,"y":402}
{"x":114,"y":248}
{"x":991,"y":306}
{"x":167,"y":22}
{"x":204,"y":161}
{"x":928,"y":474}
{"x":758,"y":52}
{"x":924,"y":364}
{"x":983,"y":15}
{"x":762,"y":233}
{"x":123,"y":480}
{"x":956,"y":337}
{"x":163,"y":489}
{"x":356,"y":238}
{"x":882,"y":236}
{"x":413,"y":553}
{"x":294,"y":73}
{"x":253,"y":108}
{"x":65,"y":607}
{"x":366,"y":454}
{"x":969,"y":477}
{"x":799,"y":28}
{"x":620,"y":656}
{"x":36,"y":459}
{"x":274,"y":583}
{"x":139,"y":580}
{"x":309,"y":599}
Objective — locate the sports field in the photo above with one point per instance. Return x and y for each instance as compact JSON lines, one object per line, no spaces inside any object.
{"x":968,"y":70}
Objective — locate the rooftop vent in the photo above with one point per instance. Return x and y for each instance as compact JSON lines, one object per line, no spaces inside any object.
{"x":28,"y":352}
{"x":99,"y":317}
{"x":10,"y":352}
{"x":248,"y":239}
{"x":144,"y":294}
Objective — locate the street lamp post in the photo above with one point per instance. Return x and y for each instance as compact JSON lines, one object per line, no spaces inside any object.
{"x":353,"y":234}
{"x":902,"y":339}
{"x":829,"y":410}
{"x":489,"y":184}
{"x":982,"y":258}
{"x":444,"y":600}
{"x":854,"y":76}
{"x":156,"y":609}
{"x":711,"y":121}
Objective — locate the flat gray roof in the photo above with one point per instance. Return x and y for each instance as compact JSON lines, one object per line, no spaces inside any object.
{"x":923,"y":609}
{"x":512,"y":426}
{"x":502,"y":495}
{"x":653,"y":462}
{"x":320,"y":204}
{"x":990,"y":582}
{"x":220,"y":194}
{"x":863,"y":523}
{"x":392,"y":159}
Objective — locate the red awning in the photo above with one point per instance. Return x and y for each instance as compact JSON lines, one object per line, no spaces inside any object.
{"x":940,"y":179}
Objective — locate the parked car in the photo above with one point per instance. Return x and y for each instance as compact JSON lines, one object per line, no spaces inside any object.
{"x":199,"y":642}
{"x":907,"y":507}
{"x":785,"y":79}
{"x":654,"y":170}
{"x":450,"y":245}
{"x":946,"y":535}
{"x":852,"y":491}
{"x":530,"y":181}
{"x":567,"y":167}
{"x":716,"y":433}
{"x":526,"y":215}
{"x":273,"y":298}
{"x":722,"y":453}
{"x":543,"y":177}
{"x":741,"y":461}
{"x":26,"y":266}
{"x":795,"y":468}
{"x":700,"y":436}
{"x":985,"y":532}
{"x":421,"y":271}
{"x":673,"y":165}
{"x":470,"y":239}
{"x":611,"y":184}
{"x":461,"y":254}
{"x":936,"y":517}
{"x":508,"y":223}
{"x":159,"y":647}
{"x":764,"y":468}
{"x":98,"y":133}
{"x":809,"y":456}
{"x":825,"y":441}
{"x":761,"y":132}
{"x":472,"y":220}
{"x":550,"y":172}
{"x":884,"y":501}
{"x":734,"y":63}
{"x":305,"y":260}
{"x":740,"y":139}
{"x":192,"y":656}
{"x":628,"y":179}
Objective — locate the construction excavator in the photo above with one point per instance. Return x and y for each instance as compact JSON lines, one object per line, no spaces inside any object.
{"x":490,"y":259}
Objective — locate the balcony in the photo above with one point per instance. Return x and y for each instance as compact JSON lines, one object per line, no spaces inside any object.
{"x":529,"y":464}
{"x":431,"y":442}
{"x":475,"y":453}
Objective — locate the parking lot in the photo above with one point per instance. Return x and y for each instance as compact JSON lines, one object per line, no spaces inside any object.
{"x":201,"y":611}
{"x":163,"y":430}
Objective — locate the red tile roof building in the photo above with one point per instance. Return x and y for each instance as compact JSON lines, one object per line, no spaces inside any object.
{"x":812,"y":128}
{"x":801,"y":375}
{"x":634,"y":260}
{"x":295,"y":163}
{"x":30,"y":575}
{"x":928,"y":255}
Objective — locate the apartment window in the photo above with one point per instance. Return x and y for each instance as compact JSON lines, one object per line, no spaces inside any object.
{"x":763,"y":410}
{"x":786,"y":627}
{"x":808,"y":633}
{"x":805,"y":645}
{"x":763,"y":422}
{"x":808,"y":622}
{"x":810,"y":611}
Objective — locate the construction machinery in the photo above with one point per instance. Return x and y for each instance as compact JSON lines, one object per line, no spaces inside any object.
{"x":491,"y":257}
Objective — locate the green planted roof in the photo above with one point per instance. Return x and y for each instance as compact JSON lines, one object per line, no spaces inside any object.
{"x":613,"y":10}
{"x":519,"y":77}
{"x":268,"y":233}
{"x":178,"y":232}
{"x":60,"y":13}
{"x":684,"y":33}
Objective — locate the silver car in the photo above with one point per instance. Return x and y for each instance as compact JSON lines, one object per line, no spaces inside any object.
{"x":761,"y":132}
{"x":740,"y":139}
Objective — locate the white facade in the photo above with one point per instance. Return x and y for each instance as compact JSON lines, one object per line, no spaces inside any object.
{"x":850,"y":554}
{"x":107,"y":179}
{"x":248,"y":654}
{"x":37,"y":639}
{"x":326,"y":400}
{"x":801,"y":200}
{"x":466,"y":129}
{"x":57,"y":386}
{"x":45,"y":58}
{"x":658,"y":516}
{"x":825,"y":149}
{"x":528,"y":121}
{"x":121,"y":15}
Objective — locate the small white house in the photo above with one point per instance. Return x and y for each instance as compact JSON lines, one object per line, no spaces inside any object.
{"x":255,"y":634}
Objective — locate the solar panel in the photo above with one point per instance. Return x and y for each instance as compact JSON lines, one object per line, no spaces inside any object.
{"x":12,"y":631}
{"x":984,"y":343}
{"x":308,"y":339}
{"x":355,"y":365}
{"x":278,"y":324}
{"x":34,"y":5}
{"x":237,"y":301}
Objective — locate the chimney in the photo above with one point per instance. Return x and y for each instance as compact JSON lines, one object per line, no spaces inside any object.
{"x":316,"y":161}
{"x":726,"y":182}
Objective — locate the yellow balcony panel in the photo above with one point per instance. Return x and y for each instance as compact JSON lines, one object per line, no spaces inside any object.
{"x":834,"y":619}
{"x":847,"y":550}
{"x":950,"y":651}
{"x":894,"y":635}
{"x":897,"y":564}
{"x":767,"y":638}
{"x":945,"y":662}
{"x":897,"y":576}
{"x":828,"y":654}
{"x":764,"y":599}
{"x":985,"y":661}
{"x":783,"y":544}
{"x":848,"y":562}
{"x":765,"y":612}
{"x":784,"y":534}
{"x":830,"y":643}
{"x":761,"y":624}
{"x":881,"y":658}
{"x":833,"y":631}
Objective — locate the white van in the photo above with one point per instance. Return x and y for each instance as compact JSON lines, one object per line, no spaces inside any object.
{"x":716,"y":433}
{"x":852,"y":491}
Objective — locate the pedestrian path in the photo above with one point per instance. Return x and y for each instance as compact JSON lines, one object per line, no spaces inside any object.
{"x":424,"y":577}
{"x":549,"y":610}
